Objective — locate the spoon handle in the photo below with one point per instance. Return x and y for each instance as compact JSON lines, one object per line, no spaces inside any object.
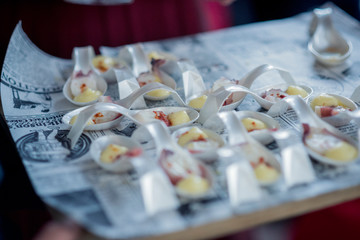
{"x":355,"y":96}
{"x":303,"y":111}
{"x":237,"y":88}
{"x":127,"y":84}
{"x":213,"y":103}
{"x":216,"y":99}
{"x":140,"y":63}
{"x":237,"y":132}
{"x":85,"y":115}
{"x":296,"y":164}
{"x":260,"y":70}
{"x":131,"y":98}
{"x":160,"y":134}
{"x":82,"y":57}
{"x":323,"y":17}
{"x":192,"y":80}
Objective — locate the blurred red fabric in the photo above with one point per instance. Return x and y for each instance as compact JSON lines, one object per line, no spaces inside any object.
{"x":57,"y":27}
{"x":339,"y":222}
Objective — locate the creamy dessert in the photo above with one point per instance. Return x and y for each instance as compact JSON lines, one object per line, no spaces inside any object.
{"x":172,"y":119}
{"x":193,"y":185}
{"x":296,"y":90}
{"x":252,"y":124}
{"x":177,"y":118}
{"x":264,"y":172}
{"x":83,"y":87}
{"x":100,"y":117}
{"x":326,"y":144}
{"x":155,"y":56}
{"x":114,"y":152}
{"x":196,"y":141}
{"x":104,"y":63}
{"x":275,"y":95}
{"x":194,"y":134}
{"x":153,"y":76}
{"x":185,"y":174}
{"x":222,"y":82}
{"x":198,"y":102}
{"x":326,"y":105}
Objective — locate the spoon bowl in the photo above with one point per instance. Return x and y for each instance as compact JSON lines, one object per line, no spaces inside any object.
{"x":262,"y":135}
{"x":101,"y":85}
{"x":138,"y":116}
{"x":326,"y":44}
{"x":135,"y":57}
{"x":252,"y":150}
{"x":104,"y":66}
{"x":83,"y":78}
{"x":182,"y":169}
{"x":340,"y":118}
{"x":66,"y":119}
{"x":309,"y":119}
{"x":121,"y":165}
{"x":205,"y":152}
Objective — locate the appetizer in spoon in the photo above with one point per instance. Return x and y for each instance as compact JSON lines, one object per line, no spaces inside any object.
{"x":84,"y":87}
{"x":323,"y":142}
{"x":104,"y":66}
{"x":258,"y":125}
{"x":201,"y":142}
{"x":330,"y":108}
{"x":147,"y":71}
{"x":196,"y":93}
{"x":114,"y":153}
{"x":266,"y":167}
{"x":190,"y":178}
{"x":176,"y":117}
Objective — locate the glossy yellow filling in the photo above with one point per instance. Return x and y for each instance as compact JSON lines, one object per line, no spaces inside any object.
{"x":177,"y":118}
{"x":191,"y":135}
{"x":88,"y":95}
{"x":112,"y":152}
{"x":252,"y":124}
{"x":158,"y":92}
{"x":103,"y":63}
{"x":198,"y":102}
{"x":343,"y":152}
{"x":296,"y":90}
{"x":326,"y":100}
{"x":155,"y":55}
{"x":265,"y":173}
{"x":193,"y":185}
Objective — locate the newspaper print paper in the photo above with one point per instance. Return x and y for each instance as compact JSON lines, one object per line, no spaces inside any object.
{"x":110,"y":205}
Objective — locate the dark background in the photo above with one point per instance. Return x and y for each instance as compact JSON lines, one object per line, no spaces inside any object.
{"x":21,"y":212}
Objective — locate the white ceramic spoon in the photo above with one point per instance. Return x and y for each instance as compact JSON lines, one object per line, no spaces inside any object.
{"x":176,"y":162}
{"x":307,"y":116}
{"x":341,"y":118}
{"x":205,"y":150}
{"x":123,"y":164}
{"x":326,"y":44}
{"x":138,"y":116}
{"x":135,"y":57}
{"x":127,"y":102}
{"x":252,"y":149}
{"x":109,"y":63}
{"x":82,"y":69}
{"x":216,"y":99}
{"x":194,"y":86}
{"x":263,"y":136}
